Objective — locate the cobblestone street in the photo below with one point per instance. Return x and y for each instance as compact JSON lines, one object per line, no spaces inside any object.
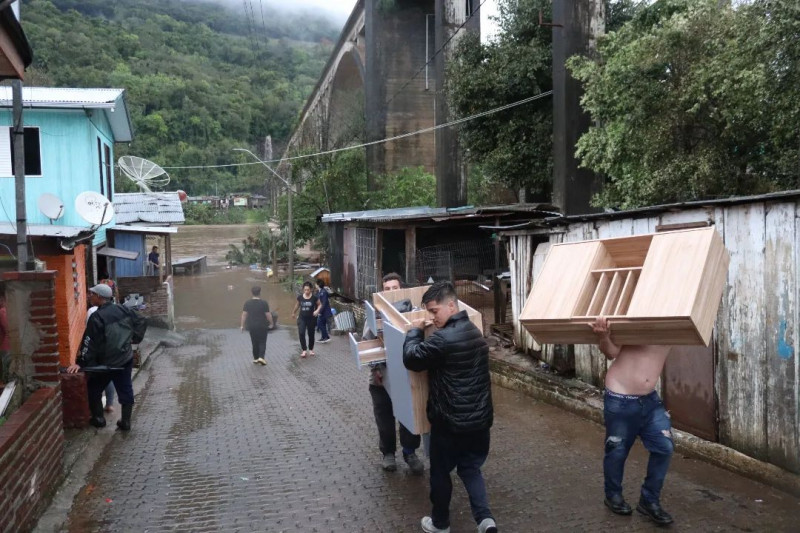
{"x":220,"y":444}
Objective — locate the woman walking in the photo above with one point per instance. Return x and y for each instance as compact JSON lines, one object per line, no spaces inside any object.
{"x":325,"y":312}
{"x":309,"y":307}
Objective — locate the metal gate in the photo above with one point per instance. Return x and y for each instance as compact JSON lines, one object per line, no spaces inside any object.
{"x":366,"y":262}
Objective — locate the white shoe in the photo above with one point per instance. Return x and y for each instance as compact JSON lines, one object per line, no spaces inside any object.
{"x":487,"y":525}
{"x":261,"y":361}
{"x":428,"y":527}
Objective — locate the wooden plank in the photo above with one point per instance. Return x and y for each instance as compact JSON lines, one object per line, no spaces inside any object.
{"x":627,"y":292}
{"x":599,"y":296}
{"x":709,"y":293}
{"x":612,"y":297}
{"x":744,"y":426}
{"x":366,"y":352}
{"x":780,"y":283}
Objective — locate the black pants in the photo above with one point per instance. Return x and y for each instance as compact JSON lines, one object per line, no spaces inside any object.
{"x":306,"y":326}
{"x":97,"y":382}
{"x":384,"y":418}
{"x":466,"y":453}
{"x":259,"y":339}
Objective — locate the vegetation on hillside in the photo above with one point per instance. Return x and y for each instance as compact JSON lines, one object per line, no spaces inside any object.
{"x":200,"y":79}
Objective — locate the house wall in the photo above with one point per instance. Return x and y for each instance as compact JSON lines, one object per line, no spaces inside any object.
{"x":757,"y":370}
{"x":70,"y":164}
{"x":71,"y":300}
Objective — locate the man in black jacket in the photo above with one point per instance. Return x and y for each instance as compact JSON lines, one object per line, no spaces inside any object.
{"x":459,"y":404}
{"x":106,"y":354}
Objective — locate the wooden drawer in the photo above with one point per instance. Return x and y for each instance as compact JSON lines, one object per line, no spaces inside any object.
{"x":662,"y":288}
{"x":367,"y":352}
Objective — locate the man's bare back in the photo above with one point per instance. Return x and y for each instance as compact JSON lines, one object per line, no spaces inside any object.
{"x":636,"y":368}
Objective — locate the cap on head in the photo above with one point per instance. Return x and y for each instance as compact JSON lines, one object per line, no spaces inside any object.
{"x":102,"y":290}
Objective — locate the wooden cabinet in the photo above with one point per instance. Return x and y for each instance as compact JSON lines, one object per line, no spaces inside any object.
{"x":663,"y":288}
{"x":408,"y":390}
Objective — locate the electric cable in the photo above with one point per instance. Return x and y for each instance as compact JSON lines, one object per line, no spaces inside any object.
{"x":372,"y":143}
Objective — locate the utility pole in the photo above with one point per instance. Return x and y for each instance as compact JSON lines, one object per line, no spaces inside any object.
{"x":289,"y":194}
{"x":18,"y":136}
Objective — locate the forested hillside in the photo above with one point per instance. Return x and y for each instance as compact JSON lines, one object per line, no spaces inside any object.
{"x":201,"y":79}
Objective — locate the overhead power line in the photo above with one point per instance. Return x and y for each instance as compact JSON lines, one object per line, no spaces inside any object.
{"x":381,"y":141}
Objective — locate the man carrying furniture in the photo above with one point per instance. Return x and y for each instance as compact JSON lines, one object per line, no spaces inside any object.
{"x":459,"y":404}
{"x":384,"y":415}
{"x":633,"y":408}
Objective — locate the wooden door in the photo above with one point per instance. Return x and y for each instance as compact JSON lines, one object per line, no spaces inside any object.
{"x":687,"y":389}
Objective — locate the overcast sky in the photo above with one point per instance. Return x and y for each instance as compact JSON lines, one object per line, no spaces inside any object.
{"x":342,"y":8}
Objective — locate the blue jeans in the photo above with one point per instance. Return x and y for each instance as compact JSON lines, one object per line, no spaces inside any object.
{"x":322,"y":325}
{"x":626,"y":418}
{"x":465,"y":452}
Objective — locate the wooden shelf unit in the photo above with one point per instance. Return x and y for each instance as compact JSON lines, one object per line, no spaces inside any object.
{"x":662,"y":288}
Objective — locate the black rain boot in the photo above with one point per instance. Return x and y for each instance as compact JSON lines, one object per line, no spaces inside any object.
{"x":124,"y":423}
{"x":97,"y":420}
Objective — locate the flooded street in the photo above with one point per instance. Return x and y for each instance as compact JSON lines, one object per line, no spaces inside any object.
{"x":215,"y":299}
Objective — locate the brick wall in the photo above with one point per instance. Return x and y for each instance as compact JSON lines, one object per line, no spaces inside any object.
{"x":71,"y":303}
{"x":157,"y":297}
{"x":31,"y":459}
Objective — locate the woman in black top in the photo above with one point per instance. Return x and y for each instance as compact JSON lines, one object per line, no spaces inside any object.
{"x":309,"y":306}
{"x":257,"y":320}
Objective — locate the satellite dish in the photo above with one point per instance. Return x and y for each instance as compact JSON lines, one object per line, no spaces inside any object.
{"x":51,"y":206}
{"x":144,"y":173}
{"x":94,"y":208}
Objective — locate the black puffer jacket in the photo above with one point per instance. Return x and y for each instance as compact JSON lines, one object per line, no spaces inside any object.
{"x":108,"y":337}
{"x":457,"y":360}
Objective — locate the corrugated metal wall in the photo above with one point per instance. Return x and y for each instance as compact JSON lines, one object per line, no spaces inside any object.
{"x":757,"y":376}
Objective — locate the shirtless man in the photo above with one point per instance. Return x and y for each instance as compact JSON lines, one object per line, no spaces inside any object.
{"x":633,"y":408}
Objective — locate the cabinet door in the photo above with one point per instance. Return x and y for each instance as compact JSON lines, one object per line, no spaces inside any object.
{"x":671,"y":275}
{"x":561,"y":283}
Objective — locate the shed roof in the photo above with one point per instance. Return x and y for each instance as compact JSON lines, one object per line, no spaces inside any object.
{"x":439,"y":214}
{"x":46,"y":230}
{"x":149,"y":208}
{"x":110,"y":101}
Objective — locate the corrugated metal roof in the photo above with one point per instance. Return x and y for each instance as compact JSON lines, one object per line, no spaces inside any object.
{"x":45,"y":230}
{"x":111,"y":101}
{"x":437,"y":213}
{"x":150,"y":208}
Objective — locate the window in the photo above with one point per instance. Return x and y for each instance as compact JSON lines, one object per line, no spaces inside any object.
{"x":33,"y":155}
{"x":109,"y":184}
{"x":100,"y":163}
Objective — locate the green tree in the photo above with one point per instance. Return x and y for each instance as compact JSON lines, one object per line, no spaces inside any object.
{"x":513,"y":148}
{"x":694,"y":99}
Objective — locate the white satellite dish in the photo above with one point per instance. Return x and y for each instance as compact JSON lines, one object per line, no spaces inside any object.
{"x":51,"y":206}
{"x":144,"y":173}
{"x":94,"y":208}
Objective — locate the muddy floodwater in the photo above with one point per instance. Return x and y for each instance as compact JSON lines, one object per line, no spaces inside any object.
{"x":215,"y":299}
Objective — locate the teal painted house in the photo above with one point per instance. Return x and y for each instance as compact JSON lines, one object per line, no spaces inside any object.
{"x":69,"y":148}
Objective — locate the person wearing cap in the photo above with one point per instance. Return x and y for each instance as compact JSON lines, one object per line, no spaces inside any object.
{"x":106,"y":354}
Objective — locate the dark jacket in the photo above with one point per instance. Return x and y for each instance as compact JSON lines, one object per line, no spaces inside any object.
{"x":457,"y":360}
{"x":108,"y":337}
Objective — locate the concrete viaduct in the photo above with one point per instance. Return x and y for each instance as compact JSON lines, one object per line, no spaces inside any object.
{"x":376,"y":85}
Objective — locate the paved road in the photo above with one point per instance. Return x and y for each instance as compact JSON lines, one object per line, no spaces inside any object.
{"x":220,"y":444}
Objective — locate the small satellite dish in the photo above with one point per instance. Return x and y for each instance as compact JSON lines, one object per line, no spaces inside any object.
{"x":94,"y":208}
{"x":144,"y":173}
{"x":51,"y":206}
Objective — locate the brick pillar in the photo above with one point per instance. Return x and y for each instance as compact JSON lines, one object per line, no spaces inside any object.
{"x":30,"y":299}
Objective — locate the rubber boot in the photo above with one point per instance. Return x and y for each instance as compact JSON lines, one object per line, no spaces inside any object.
{"x":96,"y":408}
{"x":124,"y":423}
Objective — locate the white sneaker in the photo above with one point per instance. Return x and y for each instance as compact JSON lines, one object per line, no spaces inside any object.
{"x":261,"y":361}
{"x":487,"y":525}
{"x":428,"y":527}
